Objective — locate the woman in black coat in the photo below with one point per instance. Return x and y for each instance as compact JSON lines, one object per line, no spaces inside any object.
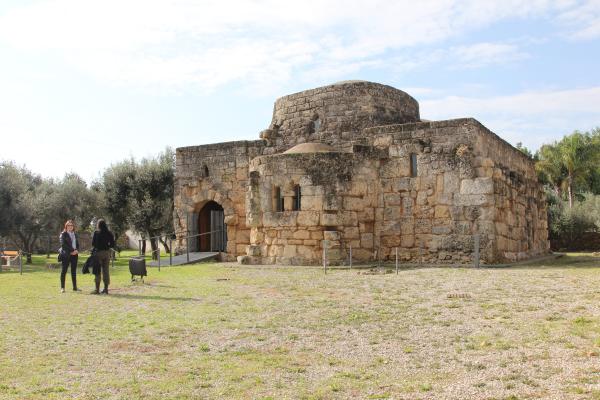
{"x":69,"y":249}
{"x":103,"y":240}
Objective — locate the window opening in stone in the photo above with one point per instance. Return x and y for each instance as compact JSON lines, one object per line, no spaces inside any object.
{"x":315,"y":125}
{"x":205,"y":171}
{"x":297,"y":197}
{"x":278,"y":199}
{"x":413,"y":164}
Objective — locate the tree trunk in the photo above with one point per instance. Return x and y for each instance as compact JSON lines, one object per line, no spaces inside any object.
{"x":165,"y":245}
{"x":154,"y":247}
{"x":24,"y":245}
{"x":143,"y":247}
{"x":30,"y":248}
{"x":570,"y":192}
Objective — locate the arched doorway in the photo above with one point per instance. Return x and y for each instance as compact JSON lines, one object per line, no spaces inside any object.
{"x":211,"y":218}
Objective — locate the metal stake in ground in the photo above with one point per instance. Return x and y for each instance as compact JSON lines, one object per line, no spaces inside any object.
{"x":476,"y":250}
{"x":350,"y":256}
{"x":325,"y":256}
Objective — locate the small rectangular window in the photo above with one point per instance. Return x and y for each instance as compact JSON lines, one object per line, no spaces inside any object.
{"x":413,"y":164}
{"x":278,"y":199}
{"x":297,"y":197}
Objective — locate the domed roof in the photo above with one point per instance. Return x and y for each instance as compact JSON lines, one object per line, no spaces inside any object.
{"x":311,"y":148}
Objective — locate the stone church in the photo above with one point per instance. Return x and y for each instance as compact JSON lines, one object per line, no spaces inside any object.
{"x":351,"y":166}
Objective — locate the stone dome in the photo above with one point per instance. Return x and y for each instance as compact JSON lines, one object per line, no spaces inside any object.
{"x":337,"y":111}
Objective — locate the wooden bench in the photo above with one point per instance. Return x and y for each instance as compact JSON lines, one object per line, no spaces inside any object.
{"x":9,"y":256}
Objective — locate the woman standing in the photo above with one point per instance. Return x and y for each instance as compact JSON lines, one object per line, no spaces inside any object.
{"x":69,"y":248}
{"x":103,"y":241}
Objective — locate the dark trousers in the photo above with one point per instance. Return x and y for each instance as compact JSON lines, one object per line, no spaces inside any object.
{"x":104,"y":259}
{"x":69,"y":260}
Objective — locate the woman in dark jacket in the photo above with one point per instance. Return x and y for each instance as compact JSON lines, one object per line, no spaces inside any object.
{"x":69,"y":249}
{"x":103,"y":240}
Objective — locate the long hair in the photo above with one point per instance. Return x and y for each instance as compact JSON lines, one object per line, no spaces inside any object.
{"x":101,"y":226}
{"x":69,"y":221}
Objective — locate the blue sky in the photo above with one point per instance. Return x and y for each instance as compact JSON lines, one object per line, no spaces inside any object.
{"x":84,"y":84}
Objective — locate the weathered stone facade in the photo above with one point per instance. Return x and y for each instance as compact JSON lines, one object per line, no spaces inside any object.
{"x":352,"y":165}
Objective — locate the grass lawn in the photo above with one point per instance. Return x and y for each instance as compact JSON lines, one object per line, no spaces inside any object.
{"x":224,"y":331}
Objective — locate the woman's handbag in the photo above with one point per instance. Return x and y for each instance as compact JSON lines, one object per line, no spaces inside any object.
{"x":60,"y":255}
{"x":93,"y":263}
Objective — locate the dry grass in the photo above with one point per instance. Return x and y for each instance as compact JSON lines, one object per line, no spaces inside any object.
{"x":226,"y":331}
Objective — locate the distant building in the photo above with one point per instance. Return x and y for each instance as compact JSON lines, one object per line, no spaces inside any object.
{"x":353,"y":165}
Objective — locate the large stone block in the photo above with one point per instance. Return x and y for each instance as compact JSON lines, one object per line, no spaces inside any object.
{"x":407,"y":241}
{"x":366,"y":215}
{"x":301,"y":234}
{"x":353,"y":203}
{"x":253,"y":250}
{"x":256,"y":236}
{"x":332,"y":202}
{"x":316,"y":235}
{"x":308,"y":218}
{"x":477,"y":186}
{"x":358,"y":188}
{"x":404,"y":184}
{"x":451,"y":182}
{"x":362,"y":255}
{"x":351,"y":232}
{"x":392,"y":199}
{"x":242,"y":236}
{"x":331,"y":235}
{"x":391,"y":213}
{"x":330,"y":219}
{"x":407,"y":225}
{"x":473,"y":199}
{"x":407,"y":206}
{"x":390,"y":241}
{"x":312,"y":203}
{"x":442,"y":212}
{"x":366,"y":240}
{"x":423,"y":225}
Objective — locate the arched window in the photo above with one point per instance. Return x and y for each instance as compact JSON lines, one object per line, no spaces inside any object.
{"x":297,"y":197}
{"x":315,"y":125}
{"x":204,"y":171}
{"x":277,"y":199}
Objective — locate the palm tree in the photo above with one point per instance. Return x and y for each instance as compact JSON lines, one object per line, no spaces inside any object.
{"x":578,"y":156}
{"x":550,"y":168}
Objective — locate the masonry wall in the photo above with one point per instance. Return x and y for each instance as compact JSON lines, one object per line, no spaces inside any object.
{"x":226,"y":184}
{"x":520,"y":221}
{"x":365,"y":198}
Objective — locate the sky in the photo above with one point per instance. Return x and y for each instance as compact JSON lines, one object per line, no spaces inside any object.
{"x":86,"y":84}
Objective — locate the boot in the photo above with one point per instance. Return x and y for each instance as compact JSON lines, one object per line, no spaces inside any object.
{"x":97,"y":291}
{"x":105,"y":290}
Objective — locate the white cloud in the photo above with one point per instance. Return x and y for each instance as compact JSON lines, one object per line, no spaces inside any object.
{"x":533,"y":118}
{"x":203,"y":45}
{"x":583,"y":20}
{"x":482,"y":54}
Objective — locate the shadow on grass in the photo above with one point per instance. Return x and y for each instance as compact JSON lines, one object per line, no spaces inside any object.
{"x":154,"y":297}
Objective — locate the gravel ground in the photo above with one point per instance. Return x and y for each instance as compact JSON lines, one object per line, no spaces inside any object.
{"x":221,"y":331}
